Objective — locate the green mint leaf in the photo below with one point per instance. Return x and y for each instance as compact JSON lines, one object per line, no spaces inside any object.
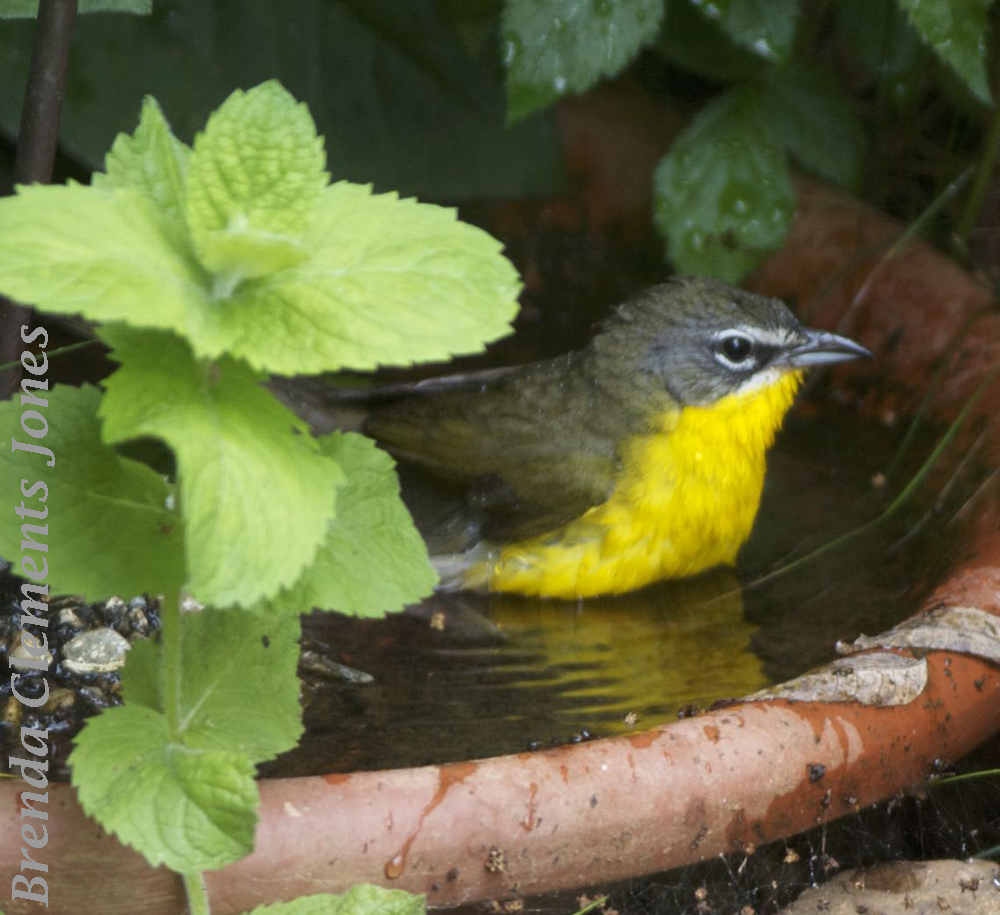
{"x":363,"y":899}
{"x":766,"y":27}
{"x":256,"y":493}
{"x":109,"y":255}
{"x":723,"y":195}
{"x":189,"y":809}
{"x":142,"y":678}
{"x":692,"y":42}
{"x":241,"y":252}
{"x":373,"y":560}
{"x":957,"y":31}
{"x":21,"y":9}
{"x":388,"y":282}
{"x":151,"y":161}
{"x":385,"y":281}
{"x":132,"y":542}
{"x":238,"y":666}
{"x":555,"y":47}
{"x":811,"y":114}
{"x":253,"y":182}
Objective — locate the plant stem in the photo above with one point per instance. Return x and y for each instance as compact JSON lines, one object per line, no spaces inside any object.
{"x":984,"y":173}
{"x":43,"y":95}
{"x":197,"y":894}
{"x":171,"y":666}
{"x":59,"y":351}
{"x":36,"y":145}
{"x":964,"y":777}
{"x":590,"y":906}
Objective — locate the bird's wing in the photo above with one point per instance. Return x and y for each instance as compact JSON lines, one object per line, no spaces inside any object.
{"x":526,"y":464}
{"x":545,"y":495}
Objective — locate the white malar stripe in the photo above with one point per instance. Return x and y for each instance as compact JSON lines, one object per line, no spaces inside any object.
{"x":760,"y":380}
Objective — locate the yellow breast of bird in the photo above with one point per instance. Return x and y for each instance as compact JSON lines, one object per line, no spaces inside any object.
{"x":685,"y":502}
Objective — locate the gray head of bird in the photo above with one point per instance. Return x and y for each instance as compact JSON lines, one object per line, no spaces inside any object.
{"x":704,"y":339}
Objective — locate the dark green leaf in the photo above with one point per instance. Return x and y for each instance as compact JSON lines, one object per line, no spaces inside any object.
{"x":723,"y":195}
{"x":884,"y":41}
{"x":810,"y":113}
{"x":766,"y":27}
{"x":696,"y":44}
{"x":556,"y":47}
{"x":956,"y":30}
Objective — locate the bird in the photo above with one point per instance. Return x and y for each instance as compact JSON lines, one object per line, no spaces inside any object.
{"x":639,"y":458}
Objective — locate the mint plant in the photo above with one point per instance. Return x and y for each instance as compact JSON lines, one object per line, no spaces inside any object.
{"x":205,"y":268}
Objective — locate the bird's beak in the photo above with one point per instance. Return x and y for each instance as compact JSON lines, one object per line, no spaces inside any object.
{"x":822,"y":348}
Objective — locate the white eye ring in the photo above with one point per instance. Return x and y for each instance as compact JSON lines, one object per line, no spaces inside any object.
{"x":735,"y":351}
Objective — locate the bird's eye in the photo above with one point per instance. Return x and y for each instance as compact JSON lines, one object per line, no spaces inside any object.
{"x":734,"y":350}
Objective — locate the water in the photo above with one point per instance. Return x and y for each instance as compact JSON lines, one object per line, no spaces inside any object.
{"x":502,"y":674}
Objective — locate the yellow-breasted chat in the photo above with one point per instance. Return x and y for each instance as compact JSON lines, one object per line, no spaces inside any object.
{"x":638,"y":458}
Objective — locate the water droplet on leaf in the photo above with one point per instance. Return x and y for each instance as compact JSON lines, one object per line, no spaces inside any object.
{"x":512,"y":50}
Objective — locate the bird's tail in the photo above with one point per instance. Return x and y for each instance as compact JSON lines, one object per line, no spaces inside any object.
{"x":470,"y":570}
